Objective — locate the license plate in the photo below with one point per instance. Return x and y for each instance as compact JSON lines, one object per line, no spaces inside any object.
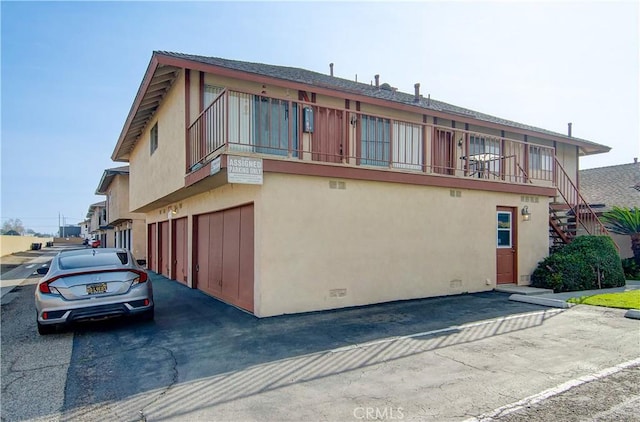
{"x":96,"y":288}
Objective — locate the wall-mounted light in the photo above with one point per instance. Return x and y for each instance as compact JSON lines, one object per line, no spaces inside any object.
{"x":526,"y":215}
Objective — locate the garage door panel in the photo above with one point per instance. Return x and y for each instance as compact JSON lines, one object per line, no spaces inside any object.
{"x":225,"y":243}
{"x":163,"y":249}
{"x":245,"y":279}
{"x":231,"y":254}
{"x":179,"y":268}
{"x":216,"y":228}
{"x":202,"y":251}
{"x":151,"y":247}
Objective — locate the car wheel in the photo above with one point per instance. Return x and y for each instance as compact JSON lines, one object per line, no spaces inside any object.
{"x":46,"y":329}
{"x":147,"y":315}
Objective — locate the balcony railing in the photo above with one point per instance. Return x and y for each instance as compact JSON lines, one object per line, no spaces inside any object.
{"x":299,"y":130}
{"x":583,"y":216}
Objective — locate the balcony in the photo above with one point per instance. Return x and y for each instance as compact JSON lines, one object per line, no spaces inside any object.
{"x":240,"y":122}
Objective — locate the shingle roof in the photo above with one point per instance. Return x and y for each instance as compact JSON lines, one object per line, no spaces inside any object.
{"x":93,"y":207}
{"x":332,"y":82}
{"x":613,"y":185}
{"x":164,"y":68}
{"x":107,"y":178}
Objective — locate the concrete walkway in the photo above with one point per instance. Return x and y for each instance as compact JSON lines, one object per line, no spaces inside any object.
{"x":546,"y":297}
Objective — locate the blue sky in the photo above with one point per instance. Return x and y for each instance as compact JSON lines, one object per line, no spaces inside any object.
{"x":70,"y":71}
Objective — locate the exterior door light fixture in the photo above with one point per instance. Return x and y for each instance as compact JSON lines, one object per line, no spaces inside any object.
{"x":526,"y":215}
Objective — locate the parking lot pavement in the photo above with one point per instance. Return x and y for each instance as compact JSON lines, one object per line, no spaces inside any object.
{"x":20,"y":265}
{"x":34,"y":368}
{"x":203,"y":360}
{"x":599,"y":397}
{"x":447,"y":358}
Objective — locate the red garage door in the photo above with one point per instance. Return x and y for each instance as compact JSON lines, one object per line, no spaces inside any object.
{"x":179,"y":250}
{"x":224,"y":255}
{"x":163,"y":249}
{"x":151,"y":247}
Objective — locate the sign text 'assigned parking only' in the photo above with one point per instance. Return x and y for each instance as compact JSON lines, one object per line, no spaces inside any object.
{"x":244,"y":170}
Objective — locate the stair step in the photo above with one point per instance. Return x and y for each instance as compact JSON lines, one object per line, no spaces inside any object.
{"x":558,"y":206}
{"x":565,"y":224}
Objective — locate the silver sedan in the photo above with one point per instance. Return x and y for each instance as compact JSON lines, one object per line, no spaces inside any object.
{"x":91,"y":284}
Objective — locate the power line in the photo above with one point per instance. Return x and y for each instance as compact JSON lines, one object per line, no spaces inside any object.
{"x":42,"y":218}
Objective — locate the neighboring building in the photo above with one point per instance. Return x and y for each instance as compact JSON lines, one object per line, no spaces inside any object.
{"x":128,"y":229}
{"x":606,"y":187}
{"x":282,"y":190}
{"x":84,"y":229}
{"x":69,"y":231}
{"x":98,"y":227}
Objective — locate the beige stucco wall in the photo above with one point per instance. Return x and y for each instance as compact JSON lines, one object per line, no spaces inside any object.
{"x":94,"y":223}
{"x":139,"y":238}
{"x":118,"y":209}
{"x":153,"y":176}
{"x":118,"y":201}
{"x":568,"y":157}
{"x":13,"y":244}
{"x":624,"y":243}
{"x":381,"y":242}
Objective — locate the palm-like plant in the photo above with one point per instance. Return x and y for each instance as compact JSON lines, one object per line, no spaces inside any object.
{"x":625,"y":221}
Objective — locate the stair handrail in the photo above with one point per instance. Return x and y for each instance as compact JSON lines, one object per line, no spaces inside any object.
{"x":580,"y":202}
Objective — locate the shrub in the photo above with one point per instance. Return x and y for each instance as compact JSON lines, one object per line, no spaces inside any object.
{"x":631,"y":269}
{"x":588,"y":262}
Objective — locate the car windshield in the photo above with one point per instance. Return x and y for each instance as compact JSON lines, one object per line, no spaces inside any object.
{"x":70,"y":262}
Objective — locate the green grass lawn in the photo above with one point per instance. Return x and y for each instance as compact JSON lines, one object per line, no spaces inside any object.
{"x":625,"y":300}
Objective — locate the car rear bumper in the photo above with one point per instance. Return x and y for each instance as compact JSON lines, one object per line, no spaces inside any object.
{"x":62,"y":315}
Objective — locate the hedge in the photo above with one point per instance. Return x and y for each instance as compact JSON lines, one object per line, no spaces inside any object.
{"x":588,"y":262}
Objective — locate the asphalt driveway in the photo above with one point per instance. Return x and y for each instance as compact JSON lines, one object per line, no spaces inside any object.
{"x":441,"y":359}
{"x":196,"y":337}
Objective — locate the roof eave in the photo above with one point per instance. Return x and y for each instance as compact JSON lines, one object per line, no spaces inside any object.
{"x":107,"y":178}
{"x":118,"y":154}
{"x":592,"y":149}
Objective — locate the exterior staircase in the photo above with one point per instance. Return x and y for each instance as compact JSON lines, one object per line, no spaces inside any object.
{"x":569,"y":214}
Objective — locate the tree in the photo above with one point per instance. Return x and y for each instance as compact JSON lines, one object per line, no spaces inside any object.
{"x":14,"y":225}
{"x":625,"y":221}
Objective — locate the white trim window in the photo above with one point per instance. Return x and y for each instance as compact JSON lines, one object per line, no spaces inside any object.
{"x":210,"y":93}
{"x":504,"y":230}
{"x":153,"y":139}
{"x":540,"y":158}
{"x":407,"y":146}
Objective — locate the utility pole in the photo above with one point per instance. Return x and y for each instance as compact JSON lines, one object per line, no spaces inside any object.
{"x":59,"y":229}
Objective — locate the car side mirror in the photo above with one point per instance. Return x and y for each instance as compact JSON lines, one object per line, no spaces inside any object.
{"x":42,"y":270}
{"x":142,"y":262}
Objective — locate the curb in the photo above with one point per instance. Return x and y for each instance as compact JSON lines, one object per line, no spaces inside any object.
{"x":633,"y":314}
{"x":7,"y":280}
{"x":536,"y":300}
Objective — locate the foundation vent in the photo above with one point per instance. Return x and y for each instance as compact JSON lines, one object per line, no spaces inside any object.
{"x":337,"y":184}
{"x":455,"y":284}
{"x":337,"y":292}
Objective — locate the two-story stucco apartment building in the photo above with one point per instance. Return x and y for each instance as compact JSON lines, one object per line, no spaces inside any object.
{"x":126,"y":229}
{"x":98,"y":227}
{"x":283,"y":190}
